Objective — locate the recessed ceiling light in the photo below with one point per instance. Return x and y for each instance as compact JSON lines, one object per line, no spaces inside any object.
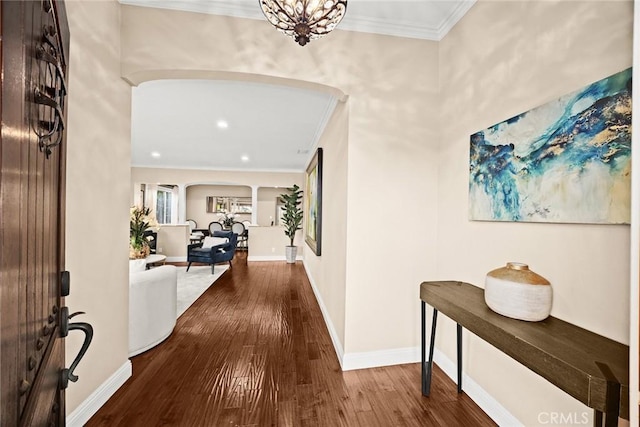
{"x":222,"y":124}
{"x":155,"y":154}
{"x":244,"y":158}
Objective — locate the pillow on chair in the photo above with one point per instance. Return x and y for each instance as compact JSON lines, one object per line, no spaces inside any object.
{"x":209,"y":241}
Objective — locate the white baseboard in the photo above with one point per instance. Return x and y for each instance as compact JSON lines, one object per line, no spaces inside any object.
{"x":249,"y":258}
{"x":337,"y":345}
{"x":484,"y":400}
{"x":399,"y":356}
{"x":374,"y":359}
{"x":272,"y":258}
{"x":99,"y":397}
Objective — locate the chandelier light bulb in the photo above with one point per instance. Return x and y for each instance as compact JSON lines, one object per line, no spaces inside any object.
{"x":304,"y":20}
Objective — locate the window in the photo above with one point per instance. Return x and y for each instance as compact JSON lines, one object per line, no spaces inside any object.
{"x":163,"y":205}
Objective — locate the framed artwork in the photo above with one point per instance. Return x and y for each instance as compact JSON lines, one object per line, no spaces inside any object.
{"x":567,"y":161}
{"x":313,"y":203}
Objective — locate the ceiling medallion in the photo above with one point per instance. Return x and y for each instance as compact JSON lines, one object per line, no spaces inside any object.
{"x":304,"y":20}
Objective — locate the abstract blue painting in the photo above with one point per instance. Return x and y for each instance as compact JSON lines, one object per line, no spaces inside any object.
{"x":567,"y":161}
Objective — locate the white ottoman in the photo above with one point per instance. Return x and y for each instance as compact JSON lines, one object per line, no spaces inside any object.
{"x":152,"y":307}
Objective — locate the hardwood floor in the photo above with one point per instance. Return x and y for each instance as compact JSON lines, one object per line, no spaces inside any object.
{"x":254,"y":350}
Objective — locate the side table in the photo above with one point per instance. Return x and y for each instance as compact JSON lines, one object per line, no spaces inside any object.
{"x":155,"y":260}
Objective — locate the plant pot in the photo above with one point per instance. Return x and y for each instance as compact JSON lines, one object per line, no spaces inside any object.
{"x":137,"y":265}
{"x":291,"y":252}
{"x":517,"y":292}
{"x":139,"y":252}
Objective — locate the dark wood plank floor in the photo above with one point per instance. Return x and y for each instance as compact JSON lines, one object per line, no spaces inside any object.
{"x":254,"y":351}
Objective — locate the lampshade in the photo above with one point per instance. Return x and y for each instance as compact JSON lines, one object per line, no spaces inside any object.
{"x":304,"y":20}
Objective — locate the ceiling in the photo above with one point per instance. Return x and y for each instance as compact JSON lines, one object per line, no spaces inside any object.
{"x":266,"y":130}
{"x":226,"y":125}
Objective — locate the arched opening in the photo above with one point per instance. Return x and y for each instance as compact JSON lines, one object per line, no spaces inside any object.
{"x":177,"y":139}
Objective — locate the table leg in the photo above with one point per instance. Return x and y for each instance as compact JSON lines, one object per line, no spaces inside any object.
{"x":605,"y":419}
{"x":612,"y":407}
{"x":427,"y":366}
{"x":423,"y":346}
{"x":459,"y":332}
{"x":611,"y":419}
{"x":597,"y":418}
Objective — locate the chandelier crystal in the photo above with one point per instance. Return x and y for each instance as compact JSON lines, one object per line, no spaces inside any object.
{"x":304,"y":20}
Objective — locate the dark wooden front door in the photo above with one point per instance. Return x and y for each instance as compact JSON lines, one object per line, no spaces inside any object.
{"x":34,"y":43}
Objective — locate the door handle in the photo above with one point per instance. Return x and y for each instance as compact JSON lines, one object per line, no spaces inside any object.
{"x":65,"y":327}
{"x":65,"y":283}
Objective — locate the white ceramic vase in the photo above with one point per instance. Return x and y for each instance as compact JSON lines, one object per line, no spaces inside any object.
{"x":291,"y":252}
{"x":517,"y":292}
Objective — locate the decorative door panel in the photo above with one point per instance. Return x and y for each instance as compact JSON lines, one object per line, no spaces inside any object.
{"x":35,"y":41}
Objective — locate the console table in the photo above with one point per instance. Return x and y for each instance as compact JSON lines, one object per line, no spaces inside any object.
{"x":589,"y":367}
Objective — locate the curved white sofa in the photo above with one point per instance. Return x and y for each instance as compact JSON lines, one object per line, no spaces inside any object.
{"x":152,"y":307}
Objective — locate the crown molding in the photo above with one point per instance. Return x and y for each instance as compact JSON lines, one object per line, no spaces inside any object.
{"x":350,"y":23}
{"x":454,"y":17}
{"x":389,"y":28}
{"x":235,"y":9}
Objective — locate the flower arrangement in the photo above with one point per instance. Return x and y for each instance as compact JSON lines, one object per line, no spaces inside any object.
{"x":227,"y":219}
{"x":140,"y":220}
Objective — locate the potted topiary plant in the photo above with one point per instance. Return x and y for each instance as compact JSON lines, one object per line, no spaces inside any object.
{"x":292,"y":219}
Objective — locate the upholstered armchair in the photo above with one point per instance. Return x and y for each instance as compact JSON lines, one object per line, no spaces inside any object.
{"x":220,"y":251}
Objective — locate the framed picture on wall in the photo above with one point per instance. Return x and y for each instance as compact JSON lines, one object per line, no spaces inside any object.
{"x":313,"y":203}
{"x":566,"y":161}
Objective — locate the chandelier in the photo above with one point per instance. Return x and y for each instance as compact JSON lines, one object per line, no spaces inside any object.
{"x":304,"y":20}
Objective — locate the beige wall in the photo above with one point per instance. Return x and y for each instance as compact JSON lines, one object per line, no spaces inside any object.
{"x":197,"y":201}
{"x":230,"y":183}
{"x":391,"y":197}
{"x":402,"y":135}
{"x":173,"y":241}
{"x":267,"y":209}
{"x":263,"y":244}
{"x":504,"y":58}
{"x":328,"y":271}
{"x":392,"y":85}
{"x":268,"y":244}
{"x":98,"y":193}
